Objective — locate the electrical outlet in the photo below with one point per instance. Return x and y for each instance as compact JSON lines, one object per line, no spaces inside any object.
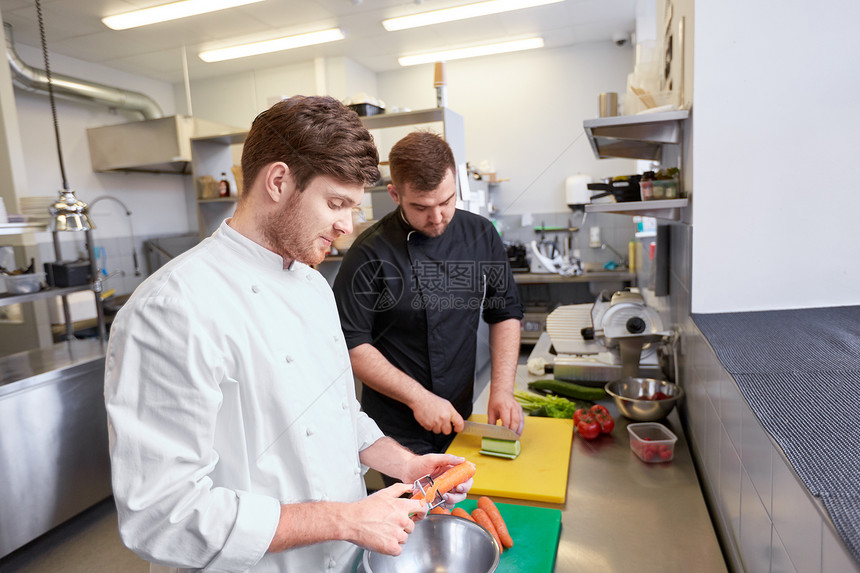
{"x":594,"y":237}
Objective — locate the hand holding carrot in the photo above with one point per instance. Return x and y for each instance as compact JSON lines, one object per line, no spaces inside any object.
{"x":381,"y":521}
{"x":459,"y":476}
{"x":429,"y":464}
{"x":458,"y":494}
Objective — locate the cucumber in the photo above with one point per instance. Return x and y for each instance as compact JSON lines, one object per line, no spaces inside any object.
{"x":502,"y":448}
{"x":540,"y":412}
{"x":569,"y":389}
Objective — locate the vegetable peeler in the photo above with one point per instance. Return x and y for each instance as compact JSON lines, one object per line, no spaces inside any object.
{"x":424,"y":483}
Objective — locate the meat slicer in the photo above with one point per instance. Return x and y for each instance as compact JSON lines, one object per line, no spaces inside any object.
{"x":617,"y":336}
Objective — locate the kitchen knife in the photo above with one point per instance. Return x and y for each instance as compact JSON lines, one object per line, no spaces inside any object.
{"x":489,"y":431}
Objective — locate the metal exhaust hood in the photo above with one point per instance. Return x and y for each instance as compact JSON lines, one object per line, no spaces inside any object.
{"x":160,"y":145}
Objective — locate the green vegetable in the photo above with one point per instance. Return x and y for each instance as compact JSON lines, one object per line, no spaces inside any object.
{"x":540,"y":412}
{"x":561,"y":410}
{"x":501,"y":448}
{"x":548,"y":406}
{"x":569,"y":389}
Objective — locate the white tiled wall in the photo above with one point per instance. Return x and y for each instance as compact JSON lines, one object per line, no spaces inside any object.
{"x":766,"y":517}
{"x":119,"y":258}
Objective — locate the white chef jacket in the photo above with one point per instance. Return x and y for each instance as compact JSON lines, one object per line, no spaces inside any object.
{"x":229,"y":391}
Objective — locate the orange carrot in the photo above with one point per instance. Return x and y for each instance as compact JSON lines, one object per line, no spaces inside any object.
{"x":451,"y":479}
{"x":460,"y":512}
{"x":495,"y":515}
{"x":441,"y":510}
{"x":480,"y":516}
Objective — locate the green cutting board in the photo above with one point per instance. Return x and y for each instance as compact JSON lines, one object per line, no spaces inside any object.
{"x":535,"y":532}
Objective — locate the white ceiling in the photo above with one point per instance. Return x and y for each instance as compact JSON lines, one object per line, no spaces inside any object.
{"x":74,"y":29}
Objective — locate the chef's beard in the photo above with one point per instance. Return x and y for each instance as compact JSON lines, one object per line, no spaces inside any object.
{"x":432,"y":231}
{"x":290,"y":235}
{"x":435,"y":230}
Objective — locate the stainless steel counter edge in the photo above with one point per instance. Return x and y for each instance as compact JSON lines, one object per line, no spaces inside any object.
{"x":622,"y":514}
{"x":587,"y":277}
{"x":26,"y":369}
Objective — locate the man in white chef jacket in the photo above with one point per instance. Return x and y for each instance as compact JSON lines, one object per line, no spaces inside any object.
{"x":236,"y":440}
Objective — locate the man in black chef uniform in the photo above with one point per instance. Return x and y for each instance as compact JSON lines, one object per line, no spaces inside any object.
{"x":410,"y":292}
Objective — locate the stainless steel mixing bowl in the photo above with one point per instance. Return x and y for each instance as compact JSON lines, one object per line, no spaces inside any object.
{"x":625,"y":393}
{"x":439,"y":544}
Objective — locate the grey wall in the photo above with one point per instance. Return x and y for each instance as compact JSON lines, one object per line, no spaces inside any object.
{"x":523,"y":113}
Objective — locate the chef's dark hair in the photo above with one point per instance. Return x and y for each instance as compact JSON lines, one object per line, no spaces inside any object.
{"x":420,"y":160}
{"x":313,"y":135}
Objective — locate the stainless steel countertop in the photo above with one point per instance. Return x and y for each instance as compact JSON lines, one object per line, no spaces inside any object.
{"x":595,"y":276}
{"x":30,"y":367}
{"x":622,"y":514}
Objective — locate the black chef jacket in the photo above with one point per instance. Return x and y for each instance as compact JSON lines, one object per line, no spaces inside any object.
{"x":418,"y":300}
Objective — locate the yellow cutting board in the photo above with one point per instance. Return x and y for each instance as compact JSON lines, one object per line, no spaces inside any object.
{"x":539,"y":473}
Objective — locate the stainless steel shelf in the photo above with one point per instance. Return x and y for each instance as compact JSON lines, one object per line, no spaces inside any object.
{"x":405,"y":118}
{"x":7,"y":299}
{"x":376,"y":189}
{"x":659,"y":208}
{"x":635,"y":136}
{"x":21,"y":228}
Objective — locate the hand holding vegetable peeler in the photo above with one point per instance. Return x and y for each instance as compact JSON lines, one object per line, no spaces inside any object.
{"x":422,"y":485}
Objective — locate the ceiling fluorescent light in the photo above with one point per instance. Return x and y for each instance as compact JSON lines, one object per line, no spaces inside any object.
{"x":166,"y":12}
{"x":460,"y":13}
{"x":458,"y":54}
{"x":276,"y":45}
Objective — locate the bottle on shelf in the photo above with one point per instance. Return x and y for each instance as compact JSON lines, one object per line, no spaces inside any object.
{"x":646,"y":186}
{"x":224,"y":186}
{"x":440,"y":84}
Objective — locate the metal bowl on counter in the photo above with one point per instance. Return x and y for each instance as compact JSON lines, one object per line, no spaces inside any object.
{"x":440,"y":543}
{"x":640,"y":399}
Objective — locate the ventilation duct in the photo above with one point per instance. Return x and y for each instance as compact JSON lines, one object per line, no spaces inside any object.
{"x":157,"y":144}
{"x":36,"y":80}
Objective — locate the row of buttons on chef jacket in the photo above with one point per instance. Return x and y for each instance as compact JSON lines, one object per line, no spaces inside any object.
{"x":309,"y":431}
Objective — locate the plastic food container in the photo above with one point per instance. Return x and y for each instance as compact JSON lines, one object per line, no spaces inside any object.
{"x":665,"y":189}
{"x":652,"y":442}
{"x":23,"y":284}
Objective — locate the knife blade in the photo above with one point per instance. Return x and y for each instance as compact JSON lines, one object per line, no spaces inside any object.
{"x":489,"y":431}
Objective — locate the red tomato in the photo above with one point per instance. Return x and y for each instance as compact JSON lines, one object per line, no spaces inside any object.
{"x":598,"y":408}
{"x":588,"y":428}
{"x":654,"y":453}
{"x":659,"y":396}
{"x":578,"y":414}
{"x":664,"y":451}
{"x":607,"y":423}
